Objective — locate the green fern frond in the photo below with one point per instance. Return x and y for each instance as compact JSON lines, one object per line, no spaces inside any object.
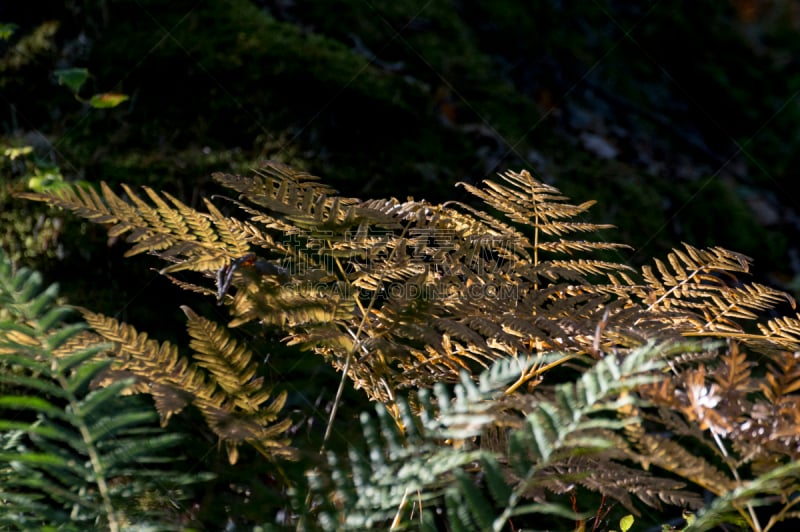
{"x":403,"y":469}
{"x":565,"y":438}
{"x":71,"y":458}
{"x":769,"y":488}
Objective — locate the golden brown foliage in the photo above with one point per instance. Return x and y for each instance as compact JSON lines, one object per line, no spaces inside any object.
{"x":404,"y":295}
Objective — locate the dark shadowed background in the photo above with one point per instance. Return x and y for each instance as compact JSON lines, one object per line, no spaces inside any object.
{"x":681,"y":122}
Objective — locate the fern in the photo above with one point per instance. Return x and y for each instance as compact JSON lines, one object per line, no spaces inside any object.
{"x":403,"y":470}
{"x":767,"y":489}
{"x":171,"y":228}
{"x":220,"y":381}
{"x":562,"y":441}
{"x":72,"y":458}
{"x":404,"y":297}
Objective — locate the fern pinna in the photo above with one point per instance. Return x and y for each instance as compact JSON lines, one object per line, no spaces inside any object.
{"x":220,"y":381}
{"x":73,"y":458}
{"x":402,"y":296}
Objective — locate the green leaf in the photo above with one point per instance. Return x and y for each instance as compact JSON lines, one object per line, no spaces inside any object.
{"x":45,"y":386}
{"x":47,"y":181}
{"x":101,"y":397}
{"x":49,"y":431}
{"x":7,"y":30}
{"x":626,"y":523}
{"x":74,"y":78}
{"x":25,"y":402}
{"x":56,"y":339}
{"x":107,"y":100}
{"x":108,"y":426}
{"x":85,"y":372}
{"x":34,"y":458}
{"x":497,"y":484}
{"x":458,"y":513}
{"x":138,"y":451}
{"x":476,"y":502}
{"x":548,"y":508}
{"x":27,"y":285}
{"x":42,"y":302}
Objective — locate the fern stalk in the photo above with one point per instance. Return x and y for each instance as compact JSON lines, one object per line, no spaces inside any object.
{"x":83,"y":459}
{"x":114,"y":524}
{"x":356,"y":343}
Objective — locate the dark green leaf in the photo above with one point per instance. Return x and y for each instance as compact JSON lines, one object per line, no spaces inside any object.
{"x":36,"y":404}
{"x":74,"y":78}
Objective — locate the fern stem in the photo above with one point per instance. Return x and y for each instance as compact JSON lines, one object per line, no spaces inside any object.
{"x":398,"y":516}
{"x":336,"y":400}
{"x":535,"y":239}
{"x":94,"y":458}
{"x":534,"y":372}
{"x":340,"y":390}
{"x":499,"y":524}
{"x":753,"y":518}
{"x":674,"y":288}
{"x":781,"y":515}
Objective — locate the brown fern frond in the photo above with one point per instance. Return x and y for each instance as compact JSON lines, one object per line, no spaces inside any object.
{"x":672,"y":457}
{"x":733,"y":373}
{"x":784,"y":379}
{"x":700,"y":272}
{"x":190,"y":287}
{"x":620,"y":482}
{"x":740,"y":302}
{"x":698,"y":294}
{"x":373,"y":276}
{"x":279,"y":188}
{"x":297,"y":197}
{"x":542,"y":207}
{"x":481,"y":223}
{"x":576,"y":269}
{"x":194,"y":240}
{"x":152,"y":362}
{"x":524,"y":199}
{"x":571,"y":246}
{"x":229,"y":398}
{"x":783,"y":332}
{"x":385,"y":260}
{"x":228,"y":361}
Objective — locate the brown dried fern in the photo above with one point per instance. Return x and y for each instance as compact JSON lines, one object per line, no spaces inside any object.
{"x":403,"y":295}
{"x":220,"y":382}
